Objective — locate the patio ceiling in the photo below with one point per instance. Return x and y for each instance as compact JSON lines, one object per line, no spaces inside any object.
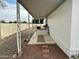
{"x":40,"y":8}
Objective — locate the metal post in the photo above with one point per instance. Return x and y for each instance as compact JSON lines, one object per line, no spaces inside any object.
{"x":46,"y":20}
{"x":0,"y":31}
{"x":28,"y":21}
{"x":28,"y":25}
{"x":18,"y":29}
{"x":39,"y":22}
{"x":32,"y":22}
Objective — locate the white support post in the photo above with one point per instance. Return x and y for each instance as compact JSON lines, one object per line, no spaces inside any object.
{"x":28,"y":25}
{"x":46,"y":20}
{"x":18,"y":29}
{"x":39,"y":22}
{"x":32,"y":22}
{"x":0,"y":30}
{"x":28,"y":21}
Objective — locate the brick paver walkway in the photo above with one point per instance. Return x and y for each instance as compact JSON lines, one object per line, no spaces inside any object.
{"x":42,"y":51}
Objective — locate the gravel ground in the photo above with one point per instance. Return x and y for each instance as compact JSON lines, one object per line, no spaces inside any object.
{"x":9,"y":47}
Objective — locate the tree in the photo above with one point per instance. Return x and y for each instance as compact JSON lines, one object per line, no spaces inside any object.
{"x":15,"y":22}
{"x":2,"y":21}
{"x":24,"y":22}
{"x":41,"y":21}
{"x":10,"y":22}
{"x":35,"y":21}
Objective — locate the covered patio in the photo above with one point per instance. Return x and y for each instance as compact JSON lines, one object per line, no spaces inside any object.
{"x":39,"y":10}
{"x":40,"y":45}
{"x":35,"y":43}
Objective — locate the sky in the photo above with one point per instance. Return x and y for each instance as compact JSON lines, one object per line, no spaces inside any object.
{"x":9,"y":12}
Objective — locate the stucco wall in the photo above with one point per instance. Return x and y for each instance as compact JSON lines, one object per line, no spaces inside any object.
{"x":7,"y":29}
{"x":60,"y":26}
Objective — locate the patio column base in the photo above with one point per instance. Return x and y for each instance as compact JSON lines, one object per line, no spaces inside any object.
{"x":20,"y":53}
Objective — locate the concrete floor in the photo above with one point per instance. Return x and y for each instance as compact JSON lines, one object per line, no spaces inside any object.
{"x":33,"y":49}
{"x":48,"y":39}
{"x":42,"y":50}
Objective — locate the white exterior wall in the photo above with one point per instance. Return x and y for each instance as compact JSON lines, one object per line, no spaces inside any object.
{"x":75,"y":27}
{"x":60,"y":26}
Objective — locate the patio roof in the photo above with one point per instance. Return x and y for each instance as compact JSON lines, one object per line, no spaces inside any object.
{"x":40,"y":8}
